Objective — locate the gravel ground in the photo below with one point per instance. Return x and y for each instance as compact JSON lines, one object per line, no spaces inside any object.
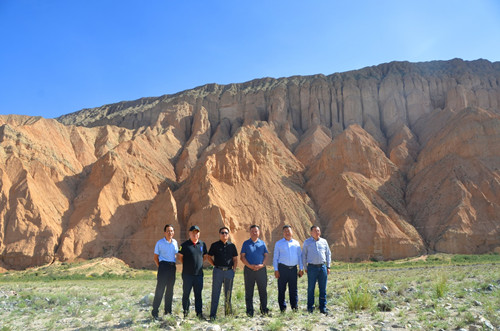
{"x":421,"y":298}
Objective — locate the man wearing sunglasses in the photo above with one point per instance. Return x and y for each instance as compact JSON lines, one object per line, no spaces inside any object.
{"x":223,"y":255}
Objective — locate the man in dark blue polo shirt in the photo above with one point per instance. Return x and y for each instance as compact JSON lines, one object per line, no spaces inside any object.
{"x":192,"y":254}
{"x":254,"y":256}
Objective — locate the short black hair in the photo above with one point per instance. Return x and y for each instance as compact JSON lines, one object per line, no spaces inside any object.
{"x":314,"y":226}
{"x":287,"y":226}
{"x":254,"y":226}
{"x":168,"y":226}
{"x":224,"y":227}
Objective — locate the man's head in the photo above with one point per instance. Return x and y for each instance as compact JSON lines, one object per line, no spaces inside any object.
{"x":168,"y":231}
{"x":254,"y":232}
{"x":287,"y":232}
{"x":224,"y":234}
{"x":194,"y":233}
{"x":315,"y":232}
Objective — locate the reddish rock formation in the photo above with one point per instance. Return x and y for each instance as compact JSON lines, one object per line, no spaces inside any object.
{"x":392,"y":161}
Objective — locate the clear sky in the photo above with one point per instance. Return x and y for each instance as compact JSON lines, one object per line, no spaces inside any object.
{"x":59,"y":56}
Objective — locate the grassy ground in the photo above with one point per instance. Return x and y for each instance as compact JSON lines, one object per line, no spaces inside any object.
{"x":440,"y":292}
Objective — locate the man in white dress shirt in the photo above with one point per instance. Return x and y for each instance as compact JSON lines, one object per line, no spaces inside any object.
{"x":287,"y":255}
{"x":164,"y":255}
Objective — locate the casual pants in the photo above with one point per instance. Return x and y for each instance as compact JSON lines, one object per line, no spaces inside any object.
{"x":316,"y":274}
{"x":194,"y":282}
{"x":220,"y":277}
{"x":165,"y":278}
{"x":288,"y":275}
{"x":251,"y":277}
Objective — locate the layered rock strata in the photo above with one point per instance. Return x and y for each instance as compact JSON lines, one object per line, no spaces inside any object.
{"x":392,"y":161}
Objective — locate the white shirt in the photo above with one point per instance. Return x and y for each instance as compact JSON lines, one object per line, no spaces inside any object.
{"x":287,"y":253}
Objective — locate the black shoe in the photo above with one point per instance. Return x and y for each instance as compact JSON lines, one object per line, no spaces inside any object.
{"x":250,"y":313}
{"x":186,"y":313}
{"x":265,"y":312}
{"x":155,"y":316}
{"x":310,"y":311}
{"x":200,"y":316}
{"x":212,"y":318}
{"x":324,"y":312}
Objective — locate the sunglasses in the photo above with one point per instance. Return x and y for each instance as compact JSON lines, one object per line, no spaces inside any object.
{"x":224,"y":232}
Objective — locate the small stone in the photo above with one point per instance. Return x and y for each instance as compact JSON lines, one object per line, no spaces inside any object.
{"x":384,"y":289}
{"x":214,"y":327}
{"x":487,"y":324}
{"x":147,"y":300}
{"x":490,"y":287}
{"x":477,"y":303}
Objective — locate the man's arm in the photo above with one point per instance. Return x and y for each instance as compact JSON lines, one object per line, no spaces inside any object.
{"x":157,"y":260}
{"x":304,"y":256}
{"x":235,"y":262}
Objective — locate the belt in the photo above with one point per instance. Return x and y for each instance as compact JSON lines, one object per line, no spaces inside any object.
{"x":167,"y":262}
{"x":287,"y":266}
{"x":224,"y":268}
{"x":316,"y":265}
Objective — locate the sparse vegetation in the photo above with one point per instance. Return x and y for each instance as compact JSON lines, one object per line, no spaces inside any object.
{"x":445,"y":292}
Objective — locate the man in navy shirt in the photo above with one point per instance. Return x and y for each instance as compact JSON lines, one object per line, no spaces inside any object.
{"x":192,"y":254}
{"x":164,"y":256}
{"x":254,"y":256}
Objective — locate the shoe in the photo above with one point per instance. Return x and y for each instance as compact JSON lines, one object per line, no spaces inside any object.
{"x":186,"y":313}
{"x":155,"y":316}
{"x":200,"y":316}
{"x":212,"y":318}
{"x":265,"y":312}
{"x":310,"y":311}
{"x":324,"y":312}
{"x":250,"y":313}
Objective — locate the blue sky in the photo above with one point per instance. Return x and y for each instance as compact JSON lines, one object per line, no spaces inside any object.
{"x":60,"y":56}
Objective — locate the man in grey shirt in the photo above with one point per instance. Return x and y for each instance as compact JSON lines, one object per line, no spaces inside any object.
{"x":316,"y":256}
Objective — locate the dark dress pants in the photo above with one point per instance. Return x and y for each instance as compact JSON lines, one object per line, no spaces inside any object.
{"x":251,"y":277}
{"x":288,"y":275}
{"x":194,"y":282}
{"x":165,"y":278}
{"x":220,"y":277}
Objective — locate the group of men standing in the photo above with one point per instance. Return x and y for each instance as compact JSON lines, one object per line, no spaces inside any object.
{"x":290,"y":261}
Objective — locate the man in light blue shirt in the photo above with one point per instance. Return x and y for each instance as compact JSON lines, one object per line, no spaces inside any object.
{"x":287,"y":255}
{"x":164,"y":255}
{"x":316,"y":256}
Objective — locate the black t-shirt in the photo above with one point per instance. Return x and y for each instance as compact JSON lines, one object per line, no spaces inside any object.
{"x":192,"y":257}
{"x":223,"y":253}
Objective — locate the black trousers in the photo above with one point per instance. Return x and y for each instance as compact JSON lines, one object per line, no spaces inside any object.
{"x":287,"y":276}
{"x":196,"y":283}
{"x":251,"y":277}
{"x":165,"y":278}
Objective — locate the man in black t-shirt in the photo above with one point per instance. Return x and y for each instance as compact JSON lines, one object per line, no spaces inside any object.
{"x":191,"y":254}
{"x":223,"y":255}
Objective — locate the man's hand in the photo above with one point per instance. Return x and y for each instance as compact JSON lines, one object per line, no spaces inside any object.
{"x":277,"y":274}
{"x":301,"y":272}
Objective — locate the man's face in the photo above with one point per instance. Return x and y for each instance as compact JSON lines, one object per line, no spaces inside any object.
{"x":254,"y":233}
{"x":316,"y":233}
{"x":194,"y":235}
{"x":224,"y":235}
{"x":169,"y":234}
{"x":287,"y":233}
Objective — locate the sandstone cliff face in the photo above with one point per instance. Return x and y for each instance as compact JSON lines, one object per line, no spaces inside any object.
{"x":392,"y":161}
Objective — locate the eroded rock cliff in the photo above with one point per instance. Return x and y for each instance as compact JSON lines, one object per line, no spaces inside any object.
{"x":392,"y":161}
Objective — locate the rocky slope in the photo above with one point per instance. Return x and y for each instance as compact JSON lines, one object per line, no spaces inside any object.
{"x":392,"y":161}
